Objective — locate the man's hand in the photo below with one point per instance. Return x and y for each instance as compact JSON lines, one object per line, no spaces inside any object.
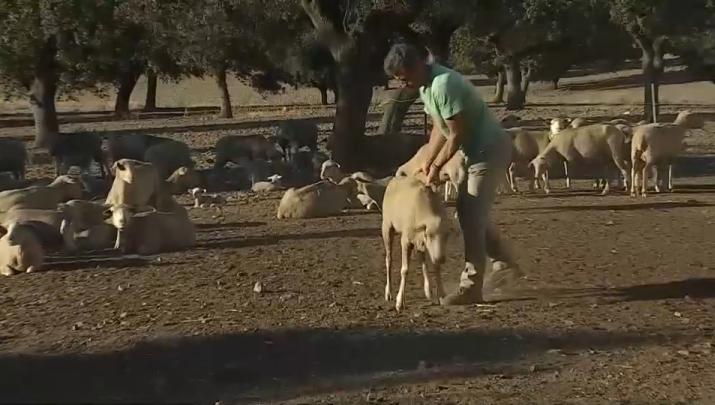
{"x":432,"y":174}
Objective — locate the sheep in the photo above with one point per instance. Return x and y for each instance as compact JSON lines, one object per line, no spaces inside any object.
{"x":526,"y":145}
{"x":417,"y":214}
{"x":20,"y":250}
{"x":82,"y":214}
{"x":330,"y":170}
{"x":453,"y":172}
{"x":183,"y":179}
{"x":78,"y":149}
{"x":232,"y":147}
{"x":62,"y":189}
{"x":146,"y":231}
{"x":97,"y":237}
{"x":13,"y":157}
{"x":169,"y":156}
{"x":203,"y":200}
{"x":137,"y":184}
{"x":131,"y":146}
{"x":320,"y":199}
{"x":371,"y":193}
{"x":295,"y":134}
{"x":589,"y":143}
{"x":274,"y":183}
{"x":53,"y":228}
{"x":657,"y":145}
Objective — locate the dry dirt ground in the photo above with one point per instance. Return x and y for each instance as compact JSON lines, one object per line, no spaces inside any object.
{"x":617,"y":304}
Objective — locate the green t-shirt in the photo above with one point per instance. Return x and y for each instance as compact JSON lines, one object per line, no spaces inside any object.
{"x":449,"y":93}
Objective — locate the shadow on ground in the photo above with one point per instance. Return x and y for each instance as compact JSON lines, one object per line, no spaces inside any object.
{"x":282,"y":364}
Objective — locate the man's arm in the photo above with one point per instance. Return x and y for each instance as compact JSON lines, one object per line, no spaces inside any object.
{"x":454,"y":141}
{"x":434,"y":146}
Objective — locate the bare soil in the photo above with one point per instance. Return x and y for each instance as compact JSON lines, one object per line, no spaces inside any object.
{"x":617,"y":303}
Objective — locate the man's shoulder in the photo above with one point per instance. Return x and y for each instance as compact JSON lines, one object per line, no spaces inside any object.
{"x":448,"y":79}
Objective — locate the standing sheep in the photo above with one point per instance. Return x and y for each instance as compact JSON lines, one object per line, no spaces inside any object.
{"x":168,"y":157}
{"x":526,"y":145}
{"x":231,"y":148}
{"x":597,"y":143}
{"x":658,"y":145}
{"x":294,"y":134}
{"x":78,"y":149}
{"x":415,"y":212}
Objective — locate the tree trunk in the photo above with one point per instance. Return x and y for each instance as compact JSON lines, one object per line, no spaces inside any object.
{"x":648,"y":78}
{"x":499,"y":90}
{"x":42,"y":97}
{"x":226,"y":109}
{"x":525,"y":80}
{"x":515,"y":97}
{"x":151,"y":84}
{"x":399,"y":102}
{"x":350,"y":115}
{"x":336,"y":94}
{"x":42,"y":101}
{"x":323,"y":94}
{"x":555,"y":84}
{"x":127,"y":82}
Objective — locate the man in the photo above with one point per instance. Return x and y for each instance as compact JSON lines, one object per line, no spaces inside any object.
{"x":461,"y":120}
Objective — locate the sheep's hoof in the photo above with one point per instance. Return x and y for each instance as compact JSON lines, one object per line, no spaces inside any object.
{"x":388,"y":295}
{"x":398,"y":307}
{"x":31,"y":269}
{"x":547,"y":191}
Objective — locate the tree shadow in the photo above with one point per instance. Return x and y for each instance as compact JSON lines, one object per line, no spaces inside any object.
{"x":282,"y":364}
{"x":227,"y":225}
{"x":630,"y":81}
{"x":98,"y":259}
{"x":665,"y":205}
{"x":273,"y":239}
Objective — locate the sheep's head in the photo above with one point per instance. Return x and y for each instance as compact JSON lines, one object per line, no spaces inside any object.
{"x":184,"y":177}
{"x":121,"y":215}
{"x":557,"y":125}
{"x":275,"y":178}
{"x":196,"y":192}
{"x":689,"y":120}
{"x":124,"y":170}
{"x":330,"y":170}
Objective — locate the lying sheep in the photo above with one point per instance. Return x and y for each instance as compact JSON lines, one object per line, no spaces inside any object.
{"x":53,"y":228}
{"x":416,"y":213}
{"x":330,"y":170}
{"x":321,"y":199}
{"x":274,"y":183}
{"x":97,"y":237}
{"x":294,"y":134}
{"x":526,"y":145}
{"x":63,"y":188}
{"x":371,"y":193}
{"x":82,"y":214}
{"x":78,"y":149}
{"x":658,"y":145}
{"x":20,"y":250}
{"x":147,"y":231}
{"x":232,"y":147}
{"x":202,"y":199}
{"x":182,"y":180}
{"x":592,"y":143}
{"x":13,"y":157}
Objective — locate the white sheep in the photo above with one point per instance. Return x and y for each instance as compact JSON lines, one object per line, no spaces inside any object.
{"x":453,"y":172}
{"x":415,"y":212}
{"x":274,"y":183}
{"x":659,"y":144}
{"x":146,"y":231}
{"x":598,"y":143}
{"x":321,"y":199}
{"x":63,"y":188}
{"x":20,"y":250}
{"x":526,"y":145}
{"x":330,"y":170}
{"x":53,"y":227}
{"x":138,"y":184}
{"x":204,"y":200}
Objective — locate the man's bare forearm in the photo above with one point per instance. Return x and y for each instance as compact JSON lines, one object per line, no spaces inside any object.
{"x":446,"y":152}
{"x":434,"y":145}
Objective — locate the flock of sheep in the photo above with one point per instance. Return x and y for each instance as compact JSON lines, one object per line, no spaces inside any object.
{"x":136,"y":212}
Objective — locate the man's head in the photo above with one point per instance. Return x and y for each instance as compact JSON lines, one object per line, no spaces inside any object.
{"x":405,"y":63}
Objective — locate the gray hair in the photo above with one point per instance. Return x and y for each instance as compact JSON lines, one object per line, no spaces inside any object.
{"x":401,"y":57}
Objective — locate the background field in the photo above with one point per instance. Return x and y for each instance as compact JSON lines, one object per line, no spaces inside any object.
{"x":617,"y":304}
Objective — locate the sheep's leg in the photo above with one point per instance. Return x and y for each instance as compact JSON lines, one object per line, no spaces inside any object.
{"x":118,"y":241}
{"x":545,"y":179}
{"x":425,"y":275}
{"x":387,"y":240}
{"x":566,"y":174}
{"x":606,"y":181}
{"x":406,"y":248}
{"x":644,"y":178}
{"x":670,"y":177}
{"x":67,"y":231}
{"x":511,"y":178}
{"x":439,"y":287}
{"x":634,"y":180}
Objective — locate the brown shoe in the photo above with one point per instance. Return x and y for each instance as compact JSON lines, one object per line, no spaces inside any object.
{"x":463,"y":296}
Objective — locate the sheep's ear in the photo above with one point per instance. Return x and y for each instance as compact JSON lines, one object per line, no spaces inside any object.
{"x":3,"y":231}
{"x":107,"y":213}
{"x":118,"y":166}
